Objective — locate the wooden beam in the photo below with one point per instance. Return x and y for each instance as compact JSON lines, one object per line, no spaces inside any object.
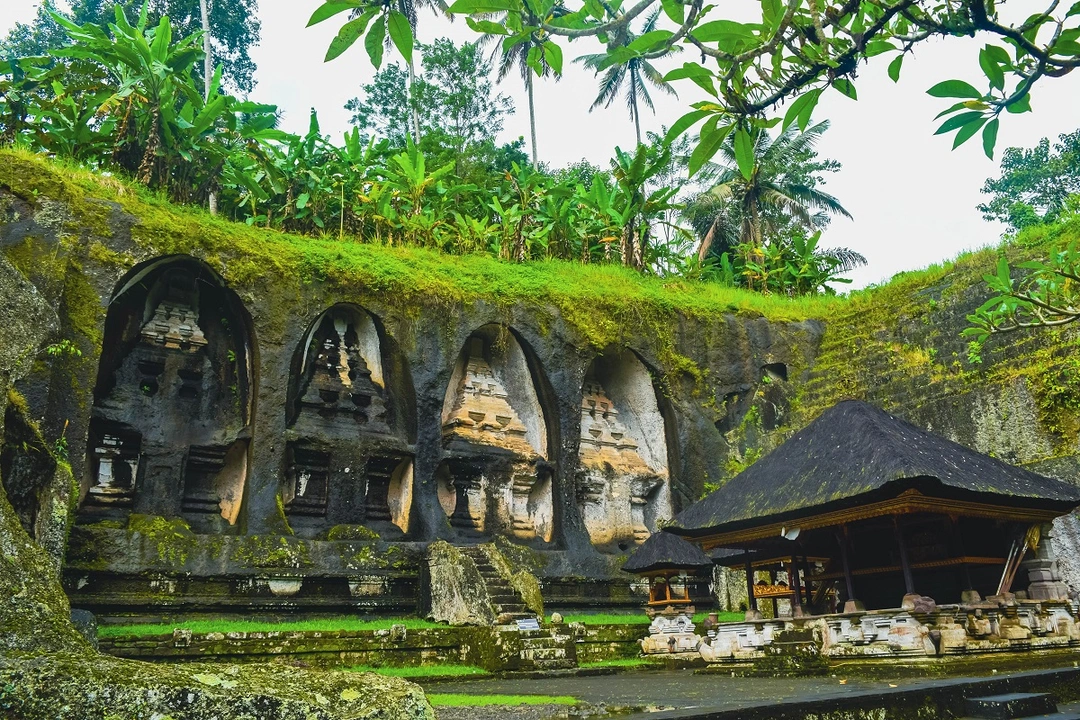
{"x":909,"y":582}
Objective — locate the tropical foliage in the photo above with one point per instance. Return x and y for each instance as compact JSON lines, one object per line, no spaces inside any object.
{"x":789,"y":52}
{"x":234,"y":30}
{"x":1037,"y":185}
{"x":125,"y":99}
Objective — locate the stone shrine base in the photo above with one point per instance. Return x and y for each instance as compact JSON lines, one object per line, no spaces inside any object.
{"x":966,"y":629}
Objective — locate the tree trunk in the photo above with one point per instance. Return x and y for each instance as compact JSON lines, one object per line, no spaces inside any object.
{"x":145,"y":174}
{"x":208,"y":64}
{"x":412,"y":104}
{"x":532,"y":118}
{"x":634,"y":105}
{"x":208,"y":67}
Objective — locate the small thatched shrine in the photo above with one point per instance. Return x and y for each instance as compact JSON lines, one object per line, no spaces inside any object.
{"x":667,"y":561}
{"x":863,"y":511}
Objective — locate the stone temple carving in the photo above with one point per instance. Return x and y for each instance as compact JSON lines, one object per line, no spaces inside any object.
{"x":167,"y":434}
{"x":498,"y":481}
{"x":342,"y":455}
{"x":615,"y":484}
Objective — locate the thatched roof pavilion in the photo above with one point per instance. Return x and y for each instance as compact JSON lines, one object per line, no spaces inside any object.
{"x":664,"y":553}
{"x":870,"y":495}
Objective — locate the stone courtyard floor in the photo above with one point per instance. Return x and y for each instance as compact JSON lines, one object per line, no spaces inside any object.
{"x":682,"y":693}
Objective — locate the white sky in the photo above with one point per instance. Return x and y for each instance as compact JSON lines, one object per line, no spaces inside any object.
{"x":912,"y":198}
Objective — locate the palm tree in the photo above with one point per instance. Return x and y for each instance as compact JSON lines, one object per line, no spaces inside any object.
{"x":636,"y":74}
{"x":780,"y":192}
{"x":517,"y":56}
{"x":411,"y":10}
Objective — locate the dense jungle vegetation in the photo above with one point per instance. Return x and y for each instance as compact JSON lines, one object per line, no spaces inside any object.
{"x":141,"y":98}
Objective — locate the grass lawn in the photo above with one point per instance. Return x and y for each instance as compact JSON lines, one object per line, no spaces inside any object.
{"x":463,"y":700}
{"x":332,"y":624}
{"x":422,"y":671}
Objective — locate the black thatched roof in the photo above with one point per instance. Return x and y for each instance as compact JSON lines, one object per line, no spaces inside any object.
{"x":854,"y":450}
{"x":664,"y":551}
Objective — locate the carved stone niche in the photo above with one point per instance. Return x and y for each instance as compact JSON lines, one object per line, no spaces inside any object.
{"x":115,"y":454}
{"x":338,"y":388}
{"x":622,"y":481}
{"x":494,"y":478}
{"x":348,"y":460}
{"x":168,"y":429}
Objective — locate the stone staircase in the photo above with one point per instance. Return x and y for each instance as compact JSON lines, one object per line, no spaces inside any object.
{"x":509,"y":605}
{"x":1031,"y":706}
{"x":547,"y":649}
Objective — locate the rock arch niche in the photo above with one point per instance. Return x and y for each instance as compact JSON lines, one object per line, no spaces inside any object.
{"x":169,"y":429}
{"x":495,"y":477}
{"x":348,"y":458}
{"x":622,"y":481}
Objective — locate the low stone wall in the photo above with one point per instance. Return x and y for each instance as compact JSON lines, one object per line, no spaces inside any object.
{"x":493,"y":649}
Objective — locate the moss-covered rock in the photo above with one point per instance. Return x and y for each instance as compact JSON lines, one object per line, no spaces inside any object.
{"x":457,"y":592}
{"x":78,"y":686}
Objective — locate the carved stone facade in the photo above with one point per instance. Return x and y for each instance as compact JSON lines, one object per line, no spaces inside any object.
{"x":620,"y":493}
{"x":494,"y":478}
{"x":167,"y":434}
{"x":342,"y":454}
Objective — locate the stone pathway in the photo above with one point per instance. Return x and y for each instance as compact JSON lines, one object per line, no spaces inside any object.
{"x":675,"y":689}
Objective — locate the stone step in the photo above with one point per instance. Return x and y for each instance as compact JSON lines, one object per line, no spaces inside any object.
{"x":1011,"y":705}
{"x":561,"y":664}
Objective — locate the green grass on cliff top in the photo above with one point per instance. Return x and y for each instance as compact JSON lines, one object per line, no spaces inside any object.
{"x":598,"y":300}
{"x":248,"y":255}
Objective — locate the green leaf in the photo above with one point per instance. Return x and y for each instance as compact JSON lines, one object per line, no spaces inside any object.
{"x":958,"y":121}
{"x":991,"y":69}
{"x":846,"y":87}
{"x":1022,"y":105}
{"x":894,"y":67}
{"x":674,"y":10}
{"x":954,"y":89}
{"x":878,"y":47}
{"x":967,"y":132}
{"x":553,"y":56}
{"x":484,"y":7}
{"x":709,"y":143}
{"x":684,"y":123}
{"x":649,"y":40}
{"x":331,"y":8}
{"x":374,"y":43}
{"x":401,"y":33}
{"x":486,"y":27}
{"x":989,"y":137}
{"x":805,"y":102}
{"x":744,"y":153}
{"x":346,"y":36}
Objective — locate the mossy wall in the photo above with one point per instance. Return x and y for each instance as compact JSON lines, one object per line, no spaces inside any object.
{"x":735,"y":372}
{"x":76,"y":237}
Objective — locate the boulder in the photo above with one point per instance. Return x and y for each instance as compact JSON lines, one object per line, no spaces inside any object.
{"x":458,"y":594}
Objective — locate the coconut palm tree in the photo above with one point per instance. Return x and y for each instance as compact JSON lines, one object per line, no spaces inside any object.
{"x":781,"y":192}
{"x":517,"y":57}
{"x":634,"y":76}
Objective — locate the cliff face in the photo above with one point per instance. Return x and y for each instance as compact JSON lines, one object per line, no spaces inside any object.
{"x":292,"y":405}
{"x":305,"y":407}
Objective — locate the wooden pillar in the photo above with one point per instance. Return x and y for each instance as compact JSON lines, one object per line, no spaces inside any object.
{"x":796,"y":586}
{"x":750,"y":599}
{"x":807,"y":588}
{"x":842,"y":539}
{"x":772,"y":581}
{"x":909,"y":583}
